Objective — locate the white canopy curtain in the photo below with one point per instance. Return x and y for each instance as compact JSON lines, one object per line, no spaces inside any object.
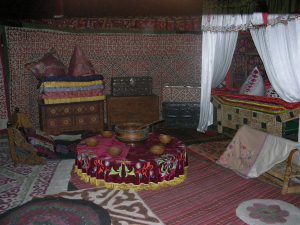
{"x":279,"y":48}
{"x":219,"y":39}
{"x":278,"y":45}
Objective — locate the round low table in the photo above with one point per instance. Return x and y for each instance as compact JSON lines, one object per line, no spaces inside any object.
{"x":136,"y":168}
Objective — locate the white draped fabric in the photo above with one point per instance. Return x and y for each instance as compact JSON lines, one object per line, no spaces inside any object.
{"x":219,"y":48}
{"x":279,"y":48}
{"x":219,"y":39}
{"x":278,"y":45}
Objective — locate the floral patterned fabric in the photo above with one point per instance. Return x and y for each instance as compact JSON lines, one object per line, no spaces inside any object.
{"x":242,"y":151}
{"x":252,"y":152}
{"x":139,"y":168}
{"x":268,"y":211}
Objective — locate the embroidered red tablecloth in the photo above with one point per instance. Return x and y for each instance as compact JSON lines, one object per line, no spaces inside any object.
{"x":135,"y":168}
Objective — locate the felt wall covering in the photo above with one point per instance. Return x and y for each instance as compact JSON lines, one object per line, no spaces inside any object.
{"x":167,"y":58}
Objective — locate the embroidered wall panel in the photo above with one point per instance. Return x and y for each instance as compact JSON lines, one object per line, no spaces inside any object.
{"x":173,"y":59}
{"x":3,"y":92}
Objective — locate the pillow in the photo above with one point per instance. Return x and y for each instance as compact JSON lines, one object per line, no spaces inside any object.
{"x":48,"y":65}
{"x":79,"y":64}
{"x":269,"y":90}
{"x":254,"y":84}
{"x":43,"y":143}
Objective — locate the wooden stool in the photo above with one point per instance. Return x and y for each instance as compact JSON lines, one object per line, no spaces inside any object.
{"x":283,"y":173}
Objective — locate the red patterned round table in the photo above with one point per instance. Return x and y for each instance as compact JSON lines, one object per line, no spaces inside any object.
{"x":136,"y":168}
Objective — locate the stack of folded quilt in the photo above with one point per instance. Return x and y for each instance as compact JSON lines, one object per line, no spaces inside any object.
{"x":67,"y":89}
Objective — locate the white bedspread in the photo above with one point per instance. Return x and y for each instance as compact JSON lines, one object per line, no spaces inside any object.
{"x":252,"y":152}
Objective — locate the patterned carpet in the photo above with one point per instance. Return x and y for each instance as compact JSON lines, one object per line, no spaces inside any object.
{"x":20,"y":184}
{"x":56,"y":211}
{"x":124,"y":207}
{"x":209,"y":195}
{"x":210,"y":150}
{"x":268,"y":211}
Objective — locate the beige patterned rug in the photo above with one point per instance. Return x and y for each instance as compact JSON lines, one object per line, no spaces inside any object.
{"x":210,"y":150}
{"x":124,"y":207}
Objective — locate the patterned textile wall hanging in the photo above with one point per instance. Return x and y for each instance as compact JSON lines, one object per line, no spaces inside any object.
{"x":245,"y":58}
{"x":4,"y":107}
{"x":174,"y":59}
{"x":187,"y":24}
{"x":230,"y":6}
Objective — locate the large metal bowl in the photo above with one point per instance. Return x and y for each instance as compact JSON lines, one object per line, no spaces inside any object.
{"x":132,"y":132}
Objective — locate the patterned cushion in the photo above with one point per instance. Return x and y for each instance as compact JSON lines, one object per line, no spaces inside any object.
{"x":42,"y":142}
{"x":269,"y":90}
{"x":48,"y":65}
{"x":254,"y":84}
{"x":79,"y":64}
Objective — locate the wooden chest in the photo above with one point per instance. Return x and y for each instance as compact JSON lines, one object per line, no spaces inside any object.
{"x":69,"y":117}
{"x":181,"y":114}
{"x":131,"y":86}
{"x":142,"y":109}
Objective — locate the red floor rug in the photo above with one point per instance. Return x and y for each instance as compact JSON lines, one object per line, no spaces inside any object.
{"x":209,"y":195}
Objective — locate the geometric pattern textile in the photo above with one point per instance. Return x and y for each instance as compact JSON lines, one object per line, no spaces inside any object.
{"x":56,"y":211}
{"x":209,"y":195}
{"x":179,"y":23}
{"x":268,"y":211}
{"x":210,"y":150}
{"x":180,"y":94}
{"x":21,"y":183}
{"x":3,"y":91}
{"x":124,"y":207}
{"x":167,"y":58}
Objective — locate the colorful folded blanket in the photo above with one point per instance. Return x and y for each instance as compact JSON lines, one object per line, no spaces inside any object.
{"x":72,"y":78}
{"x":70,"y":83}
{"x":233,"y":97}
{"x":67,"y":89}
{"x":72,"y":94}
{"x":252,"y":105}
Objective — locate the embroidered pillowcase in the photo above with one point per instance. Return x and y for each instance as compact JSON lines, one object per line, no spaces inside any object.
{"x":79,"y":64}
{"x":254,"y":84}
{"x":48,"y":65}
